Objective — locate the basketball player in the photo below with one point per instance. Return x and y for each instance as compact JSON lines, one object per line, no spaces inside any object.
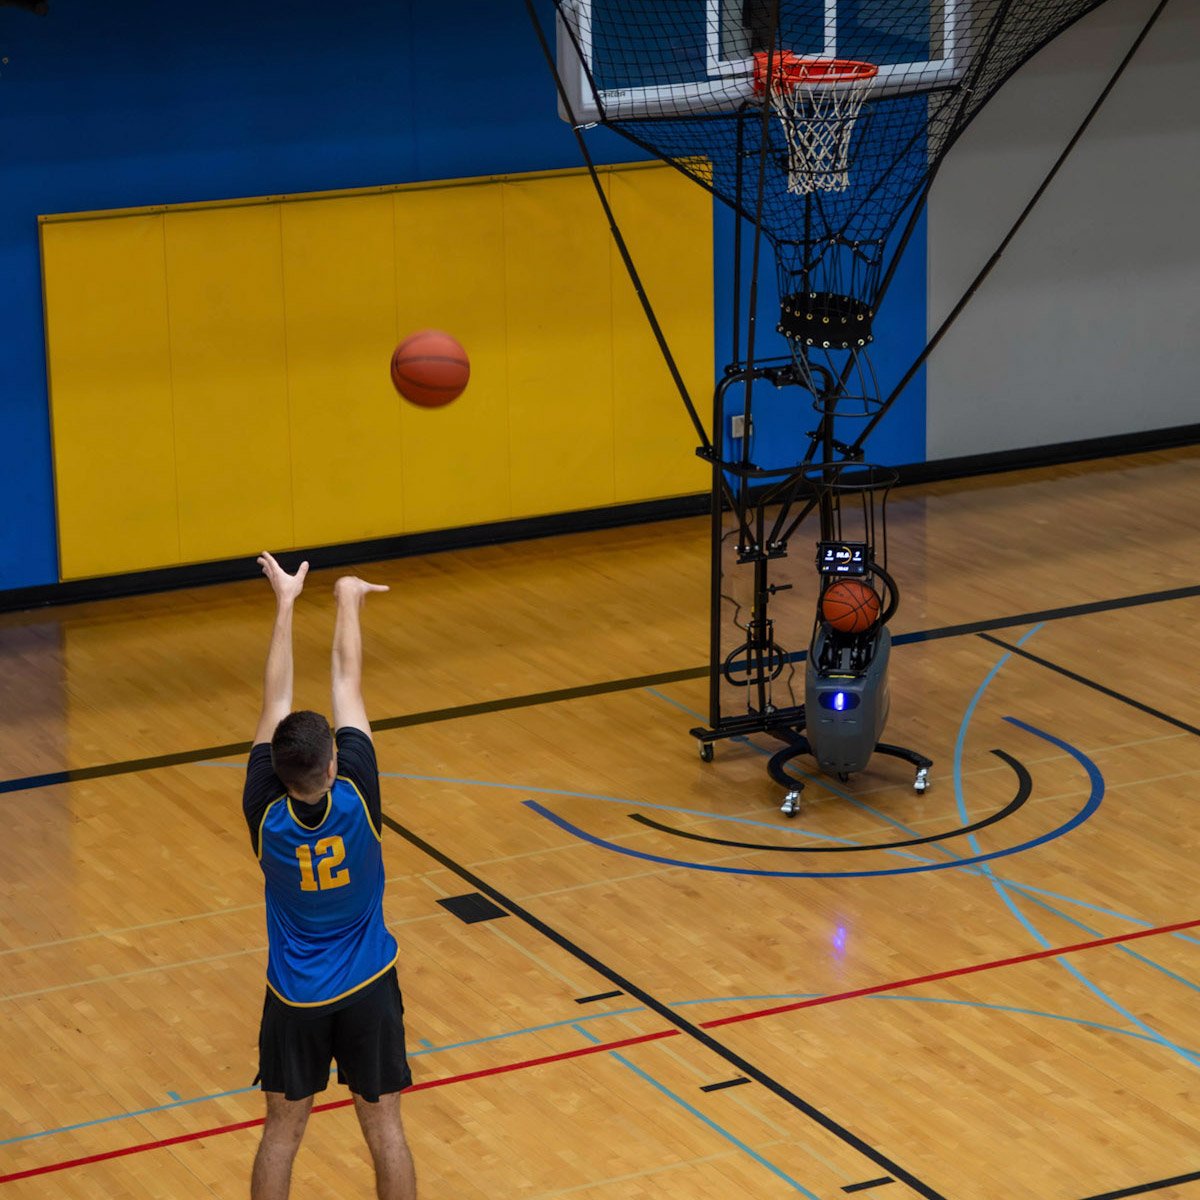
{"x":313,"y":807}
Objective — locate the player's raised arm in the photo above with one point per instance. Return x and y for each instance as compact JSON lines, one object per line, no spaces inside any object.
{"x":348,"y":707}
{"x":277,"y":682}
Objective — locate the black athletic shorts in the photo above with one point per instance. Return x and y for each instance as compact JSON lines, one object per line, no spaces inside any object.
{"x":296,"y":1046}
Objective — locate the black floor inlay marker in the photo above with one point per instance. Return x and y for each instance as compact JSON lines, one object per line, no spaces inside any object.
{"x":472,"y":907}
{"x":870,"y":1183}
{"x":728,"y":1083}
{"x":597,"y":996}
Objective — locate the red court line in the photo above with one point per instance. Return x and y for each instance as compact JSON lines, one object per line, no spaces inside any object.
{"x":605,"y":1047}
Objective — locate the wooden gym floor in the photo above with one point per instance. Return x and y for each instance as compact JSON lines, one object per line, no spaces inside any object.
{"x":867,"y":999}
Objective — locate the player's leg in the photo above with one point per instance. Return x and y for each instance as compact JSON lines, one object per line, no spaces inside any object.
{"x":284,"y":1127}
{"x":368,"y":1043}
{"x":395,"y":1176}
{"x":295,"y":1050}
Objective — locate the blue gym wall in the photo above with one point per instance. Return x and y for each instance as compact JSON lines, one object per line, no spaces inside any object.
{"x":110,"y":106}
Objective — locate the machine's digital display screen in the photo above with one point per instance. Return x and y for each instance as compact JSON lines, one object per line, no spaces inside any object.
{"x":842,"y":558}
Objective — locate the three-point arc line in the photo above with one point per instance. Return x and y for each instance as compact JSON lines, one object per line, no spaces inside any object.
{"x":641,"y":1039}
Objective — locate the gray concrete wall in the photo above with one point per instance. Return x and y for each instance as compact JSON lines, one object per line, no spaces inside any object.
{"x":1090,"y":324}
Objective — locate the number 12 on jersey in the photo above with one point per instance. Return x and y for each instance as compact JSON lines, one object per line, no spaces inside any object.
{"x":327,"y":855}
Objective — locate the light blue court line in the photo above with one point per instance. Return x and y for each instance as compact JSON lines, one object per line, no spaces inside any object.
{"x":430,"y":1049}
{"x":691,"y":712}
{"x":514,"y":1033}
{"x":967,"y":717}
{"x":792,"y":829}
{"x":1032,"y":892}
{"x":575,"y":1022}
{"x":125,"y":1116}
{"x":1095,"y":989}
{"x":695,"y":1112}
{"x":176,"y":1097}
{"x":570,"y":795}
{"x":1004,"y":893}
{"x":1149,"y":962}
{"x":1024,"y":1012}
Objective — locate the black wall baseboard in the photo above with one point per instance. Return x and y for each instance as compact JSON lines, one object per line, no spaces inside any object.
{"x":406,"y":545}
{"x":1084,"y":450}
{"x":167,"y":579}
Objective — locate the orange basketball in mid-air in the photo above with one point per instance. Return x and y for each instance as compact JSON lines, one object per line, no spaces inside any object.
{"x":430,"y":368}
{"x":850,"y":605}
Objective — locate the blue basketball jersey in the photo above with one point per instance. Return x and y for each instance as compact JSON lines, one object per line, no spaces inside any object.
{"x":324,"y":891}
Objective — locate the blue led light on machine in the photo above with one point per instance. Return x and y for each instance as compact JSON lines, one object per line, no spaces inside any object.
{"x":838,"y":701}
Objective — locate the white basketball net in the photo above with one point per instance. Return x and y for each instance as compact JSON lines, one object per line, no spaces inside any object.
{"x":818,"y":119}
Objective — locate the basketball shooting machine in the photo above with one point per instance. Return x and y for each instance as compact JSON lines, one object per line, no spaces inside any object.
{"x":821,"y":124}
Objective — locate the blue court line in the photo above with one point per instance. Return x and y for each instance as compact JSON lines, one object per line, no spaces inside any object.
{"x":1095,"y":796}
{"x":695,"y":1112}
{"x":1029,"y":890}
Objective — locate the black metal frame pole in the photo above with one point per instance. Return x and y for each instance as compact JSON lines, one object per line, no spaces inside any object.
{"x":736,"y":348}
{"x":615,"y":229}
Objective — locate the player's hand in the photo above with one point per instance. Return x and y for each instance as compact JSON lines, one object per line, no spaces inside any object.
{"x":286,"y":587}
{"x":350,"y":589}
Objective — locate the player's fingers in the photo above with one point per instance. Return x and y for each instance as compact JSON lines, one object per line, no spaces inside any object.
{"x":302,"y":572}
{"x":376,"y":587}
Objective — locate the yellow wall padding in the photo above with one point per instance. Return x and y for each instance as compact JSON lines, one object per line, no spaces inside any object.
{"x":219,"y":373}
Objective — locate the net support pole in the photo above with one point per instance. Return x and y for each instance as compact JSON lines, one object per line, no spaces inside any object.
{"x":618,"y":238}
{"x":990,"y":265}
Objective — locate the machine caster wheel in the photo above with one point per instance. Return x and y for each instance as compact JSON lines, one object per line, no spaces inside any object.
{"x":791,"y":804}
{"x":843,"y":777}
{"x":706,"y":752}
{"x":922,"y":780}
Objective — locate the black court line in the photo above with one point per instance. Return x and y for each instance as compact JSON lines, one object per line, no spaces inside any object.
{"x":128,"y":767}
{"x":1049,"y":614}
{"x":428,"y":717}
{"x":134,"y":765}
{"x":1143,"y":1188}
{"x":667,"y":1013}
{"x":870,"y":1183}
{"x":1098,"y":687}
{"x":1024,"y":789}
{"x":597,"y":996}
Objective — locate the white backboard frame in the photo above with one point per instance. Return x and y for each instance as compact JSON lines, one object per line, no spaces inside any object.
{"x":729,"y":82}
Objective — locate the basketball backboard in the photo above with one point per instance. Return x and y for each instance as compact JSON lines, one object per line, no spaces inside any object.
{"x":685,"y":57}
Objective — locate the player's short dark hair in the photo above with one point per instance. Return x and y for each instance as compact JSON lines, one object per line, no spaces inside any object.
{"x":301,"y":748}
